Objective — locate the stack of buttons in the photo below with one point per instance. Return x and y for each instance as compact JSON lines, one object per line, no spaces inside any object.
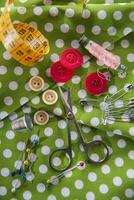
{"x":63,"y":70}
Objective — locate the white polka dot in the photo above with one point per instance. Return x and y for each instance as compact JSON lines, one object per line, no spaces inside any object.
{"x":3,"y":70}
{"x":3,"y":114}
{"x":115,"y":198}
{"x":80,"y":28}
{"x":125,"y":43}
{"x":57,"y":111}
{"x":131,"y":16}
{"x":7,"y":153}
{"x":103,"y":188}
{"x":53,"y":11}
{"x":51,"y":197}
{"x":109,"y":1}
{"x":1,"y":124}
{"x":88,"y":108}
{"x":130,"y":173}
{"x":62,"y":124}
{"x":7,"y":55}
{"x":34,"y":71}
{"x":76,"y":79}
{"x":59,"y":143}
{"x":75,"y":44}
{"x":119,"y":162}
{"x":21,"y":10}
{"x":112,"y":31}
{"x":96,"y":30}
{"x":119,"y":104}
{"x":129,"y":193}
{"x":79,"y":184}
{"x":90,"y":196}
{"x":102,"y":14}
{"x":121,"y":143}
{"x":95,"y":121}
{"x":27,"y":195}
{"x":43,"y":169}
{"x":23,"y":1}
{"x":117,"y":181}
{"x":112,"y":89}
{"x":47,"y":72}
{"x":35,"y":100}
{"x":40,"y":187}
{"x":86,"y":13}
{"x":26,"y":109}
{"x":56,"y":161}
{"x":73,"y":135}
{"x":3,"y":191}
{"x":86,"y":129}
{"x":92,"y":177}
{"x":127,"y":30}
{"x":65,"y":192}
{"x":82,"y":93}
{"x":30,"y":176}
{"x":21,"y":146}
{"x":130,"y":57}
{"x":13,"y":85}
{"x":18,"y":71}
{"x":23,"y":100}
{"x":54,"y":57}
{"x":64,"y":28}
{"x":45,"y":150}
{"x":131,"y":154}
{"x":38,"y":10}
{"x":8,"y":101}
{"x":105,"y":169}
{"x":48,"y":131}
{"x":69,"y":12}
{"x":34,"y":24}
{"x":10,"y":134}
{"x":59,"y":43}
{"x":5,"y":172}
{"x":16,"y":183}
{"x":47,"y":2}
{"x":131,"y":131}
{"x":117,"y":15}
{"x":48,"y":27}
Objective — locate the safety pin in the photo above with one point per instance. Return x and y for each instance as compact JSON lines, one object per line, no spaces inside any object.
{"x":129,"y":87}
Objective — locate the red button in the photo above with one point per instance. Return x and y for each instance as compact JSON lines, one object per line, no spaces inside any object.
{"x":60,"y":74}
{"x":96,"y":83}
{"x":71,"y":58}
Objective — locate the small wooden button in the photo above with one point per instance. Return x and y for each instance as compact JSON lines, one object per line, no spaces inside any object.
{"x":49,"y":97}
{"x":41,"y":117}
{"x":36,"y":83}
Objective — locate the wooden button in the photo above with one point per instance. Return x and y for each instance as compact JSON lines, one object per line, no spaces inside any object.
{"x":41,"y":117}
{"x":49,"y":97}
{"x":36,"y":83}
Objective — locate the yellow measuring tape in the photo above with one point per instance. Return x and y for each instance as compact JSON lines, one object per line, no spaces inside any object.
{"x":25,"y":43}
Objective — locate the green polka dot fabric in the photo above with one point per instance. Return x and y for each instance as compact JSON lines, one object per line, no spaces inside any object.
{"x":108,"y":22}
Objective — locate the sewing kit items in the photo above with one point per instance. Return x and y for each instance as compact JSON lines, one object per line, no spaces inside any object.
{"x":25,"y":43}
{"x":49,"y":97}
{"x":116,"y":111}
{"x":41,"y":117}
{"x":87,"y":147}
{"x":108,"y":58}
{"x":96,"y":83}
{"x":22,"y":124}
{"x":63,"y":70}
{"x":36,"y":83}
{"x":26,"y":158}
{"x":54,"y":180}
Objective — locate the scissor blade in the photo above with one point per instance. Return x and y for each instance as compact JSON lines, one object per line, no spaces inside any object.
{"x":63,"y":99}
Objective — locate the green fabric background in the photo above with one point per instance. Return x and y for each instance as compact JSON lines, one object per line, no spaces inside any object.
{"x":109,"y":22}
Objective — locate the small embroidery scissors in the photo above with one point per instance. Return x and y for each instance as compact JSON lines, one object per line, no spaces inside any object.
{"x":67,"y":152}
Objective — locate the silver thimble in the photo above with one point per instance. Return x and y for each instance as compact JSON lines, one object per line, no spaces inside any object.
{"x":22,"y":123}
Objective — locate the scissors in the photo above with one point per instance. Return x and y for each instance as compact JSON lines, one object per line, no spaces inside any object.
{"x":67,"y":152}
